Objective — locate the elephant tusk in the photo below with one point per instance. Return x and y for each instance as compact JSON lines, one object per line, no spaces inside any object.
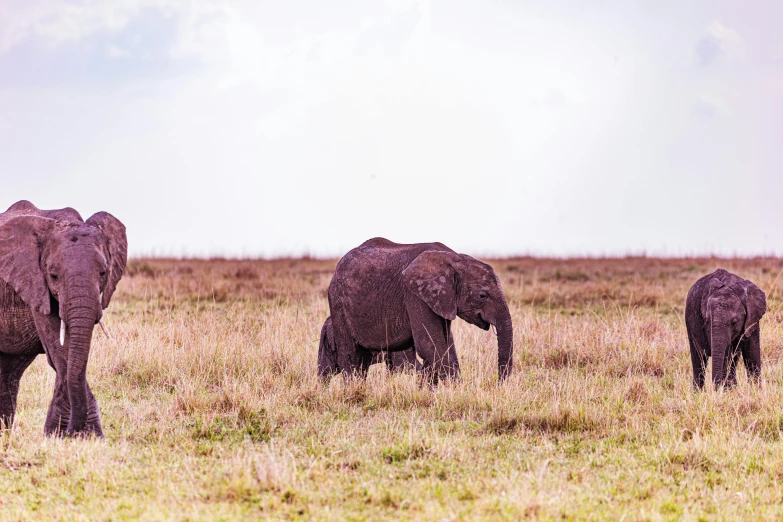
{"x":105,"y":330}
{"x":62,"y":332}
{"x":494,"y":329}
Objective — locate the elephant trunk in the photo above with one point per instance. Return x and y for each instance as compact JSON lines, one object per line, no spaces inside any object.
{"x":505,"y":344}
{"x":719,"y":344}
{"x":80,"y":318}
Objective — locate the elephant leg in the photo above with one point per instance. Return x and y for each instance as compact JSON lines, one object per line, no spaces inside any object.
{"x":11,"y":369}
{"x":751,"y":354}
{"x":93,"y":425}
{"x":388,"y":358}
{"x":380,"y":357}
{"x":433,"y":342}
{"x":327,"y":354}
{"x":699,"y":362}
{"x":59,"y":411}
{"x":403,"y":360}
{"x":452,"y":353}
{"x":349,"y":357}
{"x":366,"y":359}
{"x":733,"y":360}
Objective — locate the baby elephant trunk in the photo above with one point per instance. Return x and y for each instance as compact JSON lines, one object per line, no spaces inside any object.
{"x":505,"y":344}
{"x":720,"y":342}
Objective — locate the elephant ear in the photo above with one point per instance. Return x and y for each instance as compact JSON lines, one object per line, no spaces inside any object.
{"x":21,"y":239}
{"x":117,"y":246}
{"x":755,"y":307}
{"x":432,"y":278}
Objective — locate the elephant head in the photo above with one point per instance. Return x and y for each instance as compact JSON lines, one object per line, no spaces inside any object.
{"x":457,"y":285}
{"x":731,"y":311}
{"x":69,"y":269}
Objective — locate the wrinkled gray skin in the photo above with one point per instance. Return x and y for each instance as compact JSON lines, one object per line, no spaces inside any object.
{"x":55,"y":267}
{"x":396,"y":361}
{"x":390,"y":297}
{"x":722,"y":314}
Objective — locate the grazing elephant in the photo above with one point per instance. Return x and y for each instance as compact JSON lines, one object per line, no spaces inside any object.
{"x":722,"y":314}
{"x":386,"y":296}
{"x":396,"y":361}
{"x":57,"y":274}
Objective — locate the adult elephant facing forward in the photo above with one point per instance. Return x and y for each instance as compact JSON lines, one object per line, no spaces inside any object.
{"x":388,"y":296}
{"x":57,"y":275}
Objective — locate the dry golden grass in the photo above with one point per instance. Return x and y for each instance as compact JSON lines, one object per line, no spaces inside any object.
{"x":212,"y":409}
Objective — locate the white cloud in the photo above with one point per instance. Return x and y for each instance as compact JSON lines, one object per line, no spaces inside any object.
{"x":732,"y":44}
{"x":717,"y":41}
{"x":114,"y":52}
{"x":59,"y":21}
{"x":709,"y":107}
{"x":551,"y":97}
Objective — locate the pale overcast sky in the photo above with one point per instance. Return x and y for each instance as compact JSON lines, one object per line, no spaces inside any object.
{"x":497,"y":127}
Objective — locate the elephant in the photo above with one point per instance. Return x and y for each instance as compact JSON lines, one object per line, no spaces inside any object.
{"x":386,"y":296}
{"x":57,"y":275}
{"x":396,"y":361}
{"x":722,"y":314}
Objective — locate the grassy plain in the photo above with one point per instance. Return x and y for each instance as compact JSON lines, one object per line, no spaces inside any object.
{"x":212,"y":409}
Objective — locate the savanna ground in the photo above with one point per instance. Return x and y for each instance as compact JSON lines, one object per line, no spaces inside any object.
{"x":212,"y":409}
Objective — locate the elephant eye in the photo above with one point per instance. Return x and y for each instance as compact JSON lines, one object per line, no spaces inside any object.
{"x":103,"y":274}
{"x":54,"y":277}
{"x":482,"y":295}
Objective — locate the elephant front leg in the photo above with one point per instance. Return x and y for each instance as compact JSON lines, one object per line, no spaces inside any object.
{"x":731,"y":377}
{"x":434,"y":343}
{"x":11,"y":369}
{"x":59,"y":412}
{"x":751,"y":354}
{"x":699,"y":362}
{"x":93,"y":425}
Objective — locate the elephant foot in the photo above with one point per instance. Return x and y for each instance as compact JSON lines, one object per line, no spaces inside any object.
{"x":6,"y":422}
{"x":85,"y":433}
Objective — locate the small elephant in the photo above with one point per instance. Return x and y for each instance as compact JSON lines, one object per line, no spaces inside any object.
{"x":392,"y":297}
{"x":57,"y":275}
{"x":396,"y":361}
{"x":722,"y":314}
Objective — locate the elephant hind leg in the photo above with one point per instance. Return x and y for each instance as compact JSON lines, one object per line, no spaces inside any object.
{"x":403,"y":360}
{"x":327,"y":353}
{"x":366,"y":359}
{"x":352,"y":359}
{"x":11,"y":369}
